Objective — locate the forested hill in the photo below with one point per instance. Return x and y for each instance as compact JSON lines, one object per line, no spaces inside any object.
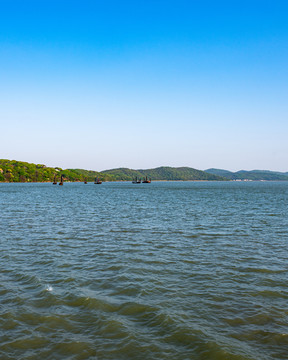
{"x":163,"y":173}
{"x":19,"y":171}
{"x":250,"y":175}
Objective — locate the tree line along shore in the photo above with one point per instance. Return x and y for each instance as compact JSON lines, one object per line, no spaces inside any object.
{"x":19,"y":171}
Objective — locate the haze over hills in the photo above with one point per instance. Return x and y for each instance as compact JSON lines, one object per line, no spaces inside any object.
{"x":250,"y":175}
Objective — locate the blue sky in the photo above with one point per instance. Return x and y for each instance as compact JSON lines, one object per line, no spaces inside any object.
{"x":140,"y":84}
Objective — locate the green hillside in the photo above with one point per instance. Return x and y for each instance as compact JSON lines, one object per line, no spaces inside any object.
{"x":88,"y":175}
{"x":19,"y":171}
{"x":163,"y":173}
{"x":250,"y":175}
{"x":220,"y":172}
{"x":181,"y":173}
{"x":123,"y":174}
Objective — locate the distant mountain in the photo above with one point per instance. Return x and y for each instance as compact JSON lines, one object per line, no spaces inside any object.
{"x":19,"y":171}
{"x":250,"y":175}
{"x":163,"y":173}
{"x":123,"y":174}
{"x":219,"y":172}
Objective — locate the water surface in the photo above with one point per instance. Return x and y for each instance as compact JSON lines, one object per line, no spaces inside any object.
{"x":167,"y":270}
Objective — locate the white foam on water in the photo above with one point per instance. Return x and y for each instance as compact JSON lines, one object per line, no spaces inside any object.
{"x":49,"y":288}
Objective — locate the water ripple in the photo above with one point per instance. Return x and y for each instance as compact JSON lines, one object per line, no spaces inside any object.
{"x":170,"y":271}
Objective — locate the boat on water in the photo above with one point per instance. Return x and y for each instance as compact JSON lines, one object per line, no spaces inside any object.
{"x":136,"y":181}
{"x":54,"y":182}
{"x":146,"y":180}
{"x":85,"y":181}
{"x":97,"y":181}
{"x":61,"y":181}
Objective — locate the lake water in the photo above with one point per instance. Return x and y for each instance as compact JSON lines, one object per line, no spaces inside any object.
{"x":167,"y":270}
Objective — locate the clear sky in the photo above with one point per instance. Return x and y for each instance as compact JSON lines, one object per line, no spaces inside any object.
{"x":100,"y":84}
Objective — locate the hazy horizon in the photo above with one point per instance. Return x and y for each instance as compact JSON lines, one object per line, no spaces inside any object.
{"x":97,"y":85}
{"x":138,"y":168}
